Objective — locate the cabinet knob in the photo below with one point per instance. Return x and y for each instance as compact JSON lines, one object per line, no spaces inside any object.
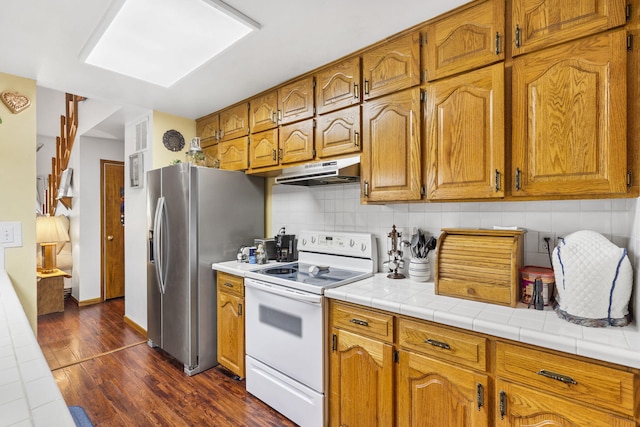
{"x":109,"y":238}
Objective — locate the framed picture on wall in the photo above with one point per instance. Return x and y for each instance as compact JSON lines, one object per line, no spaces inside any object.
{"x":136,"y":170}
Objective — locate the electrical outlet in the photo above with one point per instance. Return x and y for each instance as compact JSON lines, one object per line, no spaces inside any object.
{"x":543,"y":247}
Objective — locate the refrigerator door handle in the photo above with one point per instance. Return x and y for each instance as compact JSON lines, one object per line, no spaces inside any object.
{"x":158,"y":249}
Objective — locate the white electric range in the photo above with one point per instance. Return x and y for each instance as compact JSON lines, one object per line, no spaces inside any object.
{"x":285,"y":321}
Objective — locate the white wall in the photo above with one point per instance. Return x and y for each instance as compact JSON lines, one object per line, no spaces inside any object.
{"x":135,"y":231}
{"x":85,"y":214}
{"x":337,"y":207}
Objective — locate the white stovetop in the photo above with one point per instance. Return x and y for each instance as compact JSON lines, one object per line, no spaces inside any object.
{"x":541,"y":328}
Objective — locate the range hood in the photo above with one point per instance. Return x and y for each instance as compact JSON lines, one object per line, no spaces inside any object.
{"x":340,"y":171}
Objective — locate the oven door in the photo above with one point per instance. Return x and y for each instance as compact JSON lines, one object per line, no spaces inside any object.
{"x":284,"y":330}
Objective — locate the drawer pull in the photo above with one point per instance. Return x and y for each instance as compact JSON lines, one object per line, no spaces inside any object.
{"x":359,"y":322}
{"x":438,"y":344}
{"x":228,"y":285}
{"x":558,"y":377}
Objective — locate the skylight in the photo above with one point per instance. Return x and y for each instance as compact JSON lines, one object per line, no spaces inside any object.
{"x":162,"y":41}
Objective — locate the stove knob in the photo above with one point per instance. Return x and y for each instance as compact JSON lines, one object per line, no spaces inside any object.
{"x":313,"y":239}
{"x":304,"y":242}
{"x":352,"y":242}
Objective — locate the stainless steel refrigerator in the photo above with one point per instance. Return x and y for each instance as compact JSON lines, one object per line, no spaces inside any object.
{"x":195,"y":216}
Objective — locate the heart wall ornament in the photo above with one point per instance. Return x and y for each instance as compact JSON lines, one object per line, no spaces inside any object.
{"x":15,"y":102}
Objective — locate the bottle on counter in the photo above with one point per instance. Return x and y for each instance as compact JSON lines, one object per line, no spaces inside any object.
{"x":261,"y":255}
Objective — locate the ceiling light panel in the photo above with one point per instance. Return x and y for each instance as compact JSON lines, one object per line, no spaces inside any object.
{"x":162,"y":41}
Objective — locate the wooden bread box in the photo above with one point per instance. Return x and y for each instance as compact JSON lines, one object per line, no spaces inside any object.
{"x":480,"y":265}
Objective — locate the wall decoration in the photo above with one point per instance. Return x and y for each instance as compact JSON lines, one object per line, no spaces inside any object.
{"x":136,"y":169}
{"x":15,"y":102}
{"x":173,"y":140}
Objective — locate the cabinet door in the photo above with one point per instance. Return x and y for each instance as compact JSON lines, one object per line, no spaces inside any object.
{"x":234,"y":154}
{"x":263,"y":149}
{"x":211,"y":158}
{"x":338,"y":132}
{"x":263,"y":112}
{"x":471,"y":38}
{"x":207,"y":128}
{"x":296,"y":142}
{"x":231,"y":332}
{"x":361,"y":381}
{"x":435,"y":394}
{"x":522,"y":406}
{"x":570,"y":119}
{"x":537,"y":24}
{"x":296,"y":100}
{"x":391,"y":162}
{"x":392,"y":66}
{"x":234,"y":122}
{"x":338,"y":86}
{"x":464,"y":119}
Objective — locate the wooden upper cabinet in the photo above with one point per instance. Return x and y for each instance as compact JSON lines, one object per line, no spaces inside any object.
{"x":264,"y":112}
{"x":263,"y":149}
{"x":391,"y":161}
{"x":338,"y":132}
{"x":296,"y":142}
{"x":464,"y":119}
{"x":211,"y":156}
{"x":537,"y":24}
{"x":471,"y":38}
{"x":234,"y":154}
{"x":570,"y":118}
{"x":392,"y":66}
{"x":338,"y":86}
{"x":296,"y":100}
{"x":234,"y":122}
{"x":207,"y":128}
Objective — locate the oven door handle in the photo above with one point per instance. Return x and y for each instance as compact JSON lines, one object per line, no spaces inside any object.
{"x":284,"y":292}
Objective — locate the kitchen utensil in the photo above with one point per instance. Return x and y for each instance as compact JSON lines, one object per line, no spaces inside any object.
{"x":431,"y":245}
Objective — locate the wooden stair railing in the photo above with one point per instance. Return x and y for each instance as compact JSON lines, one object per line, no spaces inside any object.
{"x":64,"y":144}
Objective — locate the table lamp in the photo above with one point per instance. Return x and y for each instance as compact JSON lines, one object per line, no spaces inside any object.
{"x":50,"y":231}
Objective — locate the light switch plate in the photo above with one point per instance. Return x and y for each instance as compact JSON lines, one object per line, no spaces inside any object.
{"x":11,"y":234}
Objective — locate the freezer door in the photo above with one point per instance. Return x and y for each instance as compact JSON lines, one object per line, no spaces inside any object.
{"x":180,"y":254}
{"x":154,"y":296}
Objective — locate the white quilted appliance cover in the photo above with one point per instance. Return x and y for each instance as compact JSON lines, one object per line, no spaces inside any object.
{"x":593,"y":280}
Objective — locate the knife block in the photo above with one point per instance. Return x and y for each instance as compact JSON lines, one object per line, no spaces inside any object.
{"x":480,"y":265}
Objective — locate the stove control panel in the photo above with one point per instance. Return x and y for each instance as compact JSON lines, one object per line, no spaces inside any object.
{"x":362,"y":245}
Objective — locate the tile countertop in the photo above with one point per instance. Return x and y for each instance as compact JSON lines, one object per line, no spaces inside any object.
{"x":239,"y":268}
{"x":541,"y":328}
{"x":29,"y":395}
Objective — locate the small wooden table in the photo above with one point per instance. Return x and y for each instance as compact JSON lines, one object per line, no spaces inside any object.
{"x":51,"y":291}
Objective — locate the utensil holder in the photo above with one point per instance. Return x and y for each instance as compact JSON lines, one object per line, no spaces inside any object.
{"x":420,"y":269}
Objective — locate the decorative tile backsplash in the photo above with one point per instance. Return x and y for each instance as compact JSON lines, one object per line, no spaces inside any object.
{"x":338,"y":208}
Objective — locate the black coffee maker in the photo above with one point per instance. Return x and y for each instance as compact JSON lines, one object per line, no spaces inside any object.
{"x":285,"y":247}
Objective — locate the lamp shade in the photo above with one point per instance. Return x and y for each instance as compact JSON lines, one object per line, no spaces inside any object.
{"x":50,"y":229}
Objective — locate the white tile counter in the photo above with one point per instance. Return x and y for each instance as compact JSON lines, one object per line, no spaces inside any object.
{"x":239,"y":268}
{"x":29,"y":396}
{"x":541,"y":328}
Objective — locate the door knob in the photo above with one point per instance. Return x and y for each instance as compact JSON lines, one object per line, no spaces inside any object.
{"x":109,"y":237}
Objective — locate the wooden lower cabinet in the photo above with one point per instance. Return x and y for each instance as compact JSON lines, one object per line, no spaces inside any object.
{"x":392,"y":370}
{"x":522,"y":406}
{"x":361,"y":384}
{"x":431,"y":393}
{"x":230,"y":292}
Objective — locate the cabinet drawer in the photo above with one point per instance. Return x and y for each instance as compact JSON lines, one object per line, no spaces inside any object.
{"x":363,"y":321}
{"x":230,"y":283}
{"x":444,"y":343}
{"x":567,"y":377}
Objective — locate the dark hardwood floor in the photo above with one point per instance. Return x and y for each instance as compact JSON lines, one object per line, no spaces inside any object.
{"x":105,"y":366}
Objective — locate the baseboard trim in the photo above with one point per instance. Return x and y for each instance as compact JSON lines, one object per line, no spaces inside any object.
{"x":87,"y":301}
{"x":135,"y":326}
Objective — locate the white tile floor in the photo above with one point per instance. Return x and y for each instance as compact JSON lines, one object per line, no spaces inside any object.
{"x":29,"y":396}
